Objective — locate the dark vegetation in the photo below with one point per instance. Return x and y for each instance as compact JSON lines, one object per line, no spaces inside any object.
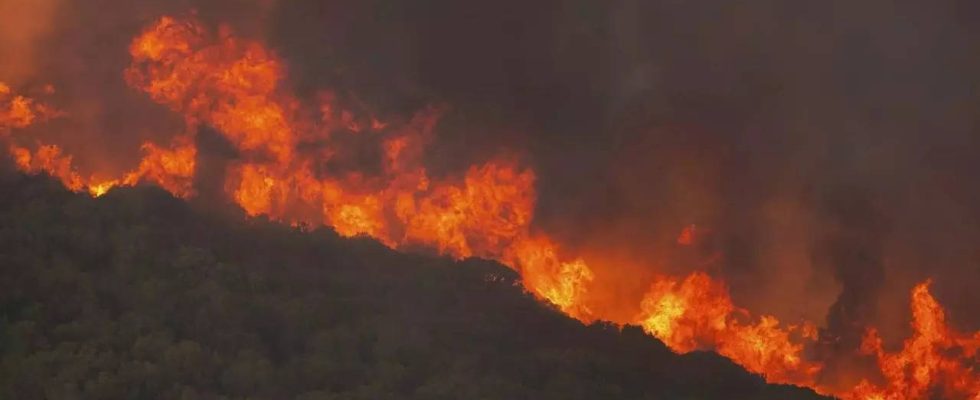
{"x":137,"y":295}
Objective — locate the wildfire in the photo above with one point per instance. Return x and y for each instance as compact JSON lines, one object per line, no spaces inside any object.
{"x":18,"y":111}
{"x":697,"y":313}
{"x":234,"y":86}
{"x":289,"y":167}
{"x":934,"y":362}
{"x":171,"y":169}
{"x":563,"y":283}
{"x":686,"y":238}
{"x":48,"y":159}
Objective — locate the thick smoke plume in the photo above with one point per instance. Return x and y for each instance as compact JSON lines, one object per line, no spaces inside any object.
{"x":820,"y":158}
{"x":758,"y":120}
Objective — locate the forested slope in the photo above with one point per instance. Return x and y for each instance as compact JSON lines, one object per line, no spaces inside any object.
{"x":137,"y":295}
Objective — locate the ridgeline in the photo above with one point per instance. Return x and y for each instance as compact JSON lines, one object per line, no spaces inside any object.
{"x":138,"y":295}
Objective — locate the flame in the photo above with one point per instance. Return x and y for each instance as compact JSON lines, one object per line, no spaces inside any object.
{"x":563,"y":283}
{"x":934,"y":361}
{"x":697,"y":313}
{"x":221,"y":81}
{"x":686,"y":238}
{"x":234,"y":86}
{"x":171,"y":169}
{"x":51,"y":160}
{"x":290,"y":166}
{"x":17,"y":111}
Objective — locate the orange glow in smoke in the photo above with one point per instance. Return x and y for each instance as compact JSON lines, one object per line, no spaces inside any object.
{"x":936,"y":362}
{"x":697,"y":313}
{"x":286,"y":169}
{"x":485,"y":213}
{"x":18,"y":111}
{"x":686,"y":238}
{"x":48,"y":159}
{"x":171,"y":169}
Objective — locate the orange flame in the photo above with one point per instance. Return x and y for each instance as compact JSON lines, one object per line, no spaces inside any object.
{"x":48,"y":159}
{"x":935,"y":362}
{"x":697,"y":313}
{"x":18,"y":111}
{"x":563,"y":283}
{"x":233,"y":85}
{"x":171,"y":169}
{"x":286,"y":169}
{"x":686,"y":238}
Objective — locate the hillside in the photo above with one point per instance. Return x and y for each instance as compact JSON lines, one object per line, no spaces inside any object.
{"x":137,"y":295}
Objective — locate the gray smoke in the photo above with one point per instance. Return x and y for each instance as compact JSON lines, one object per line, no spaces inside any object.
{"x":830,"y":147}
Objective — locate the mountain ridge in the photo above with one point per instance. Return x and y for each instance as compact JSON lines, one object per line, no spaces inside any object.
{"x":137,"y":294}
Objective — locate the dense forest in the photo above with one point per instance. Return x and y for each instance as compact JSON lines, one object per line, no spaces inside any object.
{"x":137,"y":295}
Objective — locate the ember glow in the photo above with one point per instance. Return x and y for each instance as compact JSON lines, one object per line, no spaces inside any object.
{"x":233,"y":85}
{"x":935,"y":361}
{"x":286,"y":168}
{"x":171,"y":169}
{"x":697,"y":313}
{"x":18,"y":111}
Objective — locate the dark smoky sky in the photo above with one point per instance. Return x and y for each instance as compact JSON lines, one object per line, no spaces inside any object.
{"x":81,"y":48}
{"x":830,"y":147}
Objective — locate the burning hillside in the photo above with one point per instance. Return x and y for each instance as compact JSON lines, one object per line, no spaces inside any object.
{"x":291,"y":160}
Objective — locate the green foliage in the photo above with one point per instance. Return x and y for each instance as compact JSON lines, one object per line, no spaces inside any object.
{"x":137,"y":295}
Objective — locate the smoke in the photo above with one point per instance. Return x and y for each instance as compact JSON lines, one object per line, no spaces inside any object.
{"x":214,"y":156}
{"x":23,"y":25}
{"x":853,"y":250}
{"x":829,"y":149}
{"x":852,"y":247}
{"x":80,"y":49}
